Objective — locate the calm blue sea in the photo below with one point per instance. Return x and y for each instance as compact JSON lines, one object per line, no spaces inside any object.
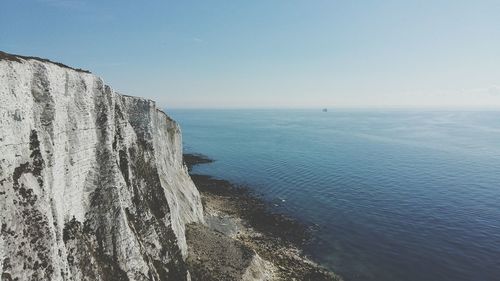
{"x":393,"y":195}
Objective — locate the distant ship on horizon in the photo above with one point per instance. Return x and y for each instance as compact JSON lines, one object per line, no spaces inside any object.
{"x":325,"y":110}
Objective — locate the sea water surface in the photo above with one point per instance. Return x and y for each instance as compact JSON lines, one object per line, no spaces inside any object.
{"x":392,"y":194}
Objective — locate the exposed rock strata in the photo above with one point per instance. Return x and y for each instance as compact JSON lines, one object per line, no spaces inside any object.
{"x":92,"y":183}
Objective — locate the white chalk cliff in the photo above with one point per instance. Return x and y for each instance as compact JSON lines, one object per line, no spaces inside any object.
{"x":92,"y":183}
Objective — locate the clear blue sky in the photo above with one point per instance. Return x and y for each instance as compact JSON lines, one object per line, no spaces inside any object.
{"x":272,"y":53}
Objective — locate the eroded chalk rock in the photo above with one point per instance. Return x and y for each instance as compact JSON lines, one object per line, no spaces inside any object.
{"x":92,"y":183}
{"x":213,"y":256}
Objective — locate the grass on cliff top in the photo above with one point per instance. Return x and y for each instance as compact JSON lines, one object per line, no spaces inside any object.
{"x":17,"y":58}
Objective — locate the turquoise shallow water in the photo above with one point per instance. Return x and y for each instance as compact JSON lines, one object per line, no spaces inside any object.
{"x":392,"y":195}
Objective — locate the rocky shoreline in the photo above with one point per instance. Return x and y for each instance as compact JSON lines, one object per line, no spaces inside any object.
{"x":238,"y":225}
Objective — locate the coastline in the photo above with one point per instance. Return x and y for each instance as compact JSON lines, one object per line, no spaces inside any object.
{"x":247,"y":220}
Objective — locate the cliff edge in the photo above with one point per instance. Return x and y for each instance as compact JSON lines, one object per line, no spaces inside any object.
{"x":92,"y":183}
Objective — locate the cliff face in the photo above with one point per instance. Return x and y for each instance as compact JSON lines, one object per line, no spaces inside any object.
{"x":92,"y":183}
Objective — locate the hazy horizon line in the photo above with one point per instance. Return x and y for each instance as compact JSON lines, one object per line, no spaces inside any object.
{"x":475,"y":108}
